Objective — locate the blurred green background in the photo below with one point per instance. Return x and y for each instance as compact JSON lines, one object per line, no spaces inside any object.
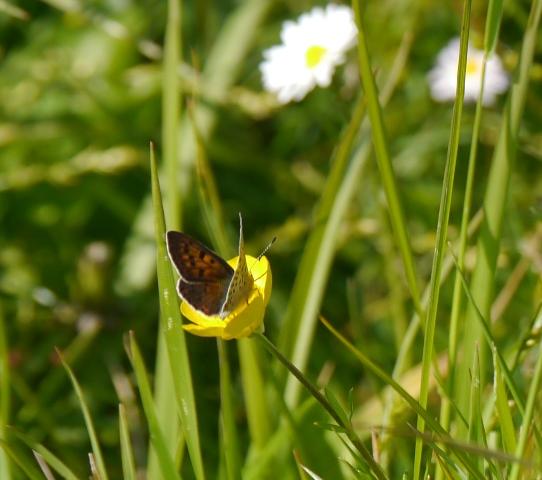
{"x":80,"y":100}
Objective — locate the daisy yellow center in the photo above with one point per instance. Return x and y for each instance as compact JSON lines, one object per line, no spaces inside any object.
{"x":313,"y":55}
{"x":473,"y":66}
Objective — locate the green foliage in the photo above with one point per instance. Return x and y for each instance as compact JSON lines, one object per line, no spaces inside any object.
{"x":375,"y":193}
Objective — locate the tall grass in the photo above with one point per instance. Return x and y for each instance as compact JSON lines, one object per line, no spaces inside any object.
{"x":495,"y":199}
{"x":442,"y":230}
{"x":329,"y":390}
{"x":490,"y":40}
{"x":5,"y":394}
{"x":174,"y":336}
{"x":171,"y":112}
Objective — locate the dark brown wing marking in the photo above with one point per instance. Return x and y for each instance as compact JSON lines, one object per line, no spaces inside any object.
{"x":208,"y":298}
{"x":194,"y":261}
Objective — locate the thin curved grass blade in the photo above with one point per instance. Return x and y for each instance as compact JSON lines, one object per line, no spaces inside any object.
{"x":164,"y":387}
{"x":482,"y":285}
{"x":442,"y":231}
{"x":25,"y":463}
{"x":300,"y":323}
{"x":127,"y":455}
{"x":230,"y":442}
{"x":174,"y":335}
{"x":165,"y":460}
{"x":5,"y":396}
{"x":50,"y":458}
{"x":411,"y":401}
{"x":528,"y":423}
{"x":96,"y":450}
{"x":343,"y":180}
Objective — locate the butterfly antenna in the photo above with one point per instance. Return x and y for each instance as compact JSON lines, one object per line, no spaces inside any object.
{"x":241,"y":240}
{"x":258,"y":258}
{"x":267,"y":248}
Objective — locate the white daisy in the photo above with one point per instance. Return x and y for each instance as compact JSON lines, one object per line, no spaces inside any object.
{"x":443,"y":77}
{"x":312,"y":47}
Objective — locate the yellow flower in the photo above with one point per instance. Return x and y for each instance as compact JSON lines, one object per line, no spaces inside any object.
{"x":246,"y":318}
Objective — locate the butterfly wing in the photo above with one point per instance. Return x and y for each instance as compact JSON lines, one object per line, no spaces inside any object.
{"x":194,"y":261}
{"x":242,"y":282}
{"x":207,"y":297}
{"x":205,"y":277}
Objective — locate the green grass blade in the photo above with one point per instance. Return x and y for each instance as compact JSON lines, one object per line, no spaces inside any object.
{"x":343,"y":180}
{"x":25,"y":463}
{"x":166,"y":404}
{"x":410,"y":335}
{"x":164,"y":390}
{"x":383,"y":160}
{"x":436,"y":428}
{"x":288,"y":434}
{"x":170,"y":316}
{"x":528,"y":422}
{"x":336,"y":404}
{"x":230,"y":441}
{"x":165,"y":459}
{"x":308,"y":288}
{"x":171,"y":110}
{"x":280,"y":441}
{"x":321,"y":249}
{"x":96,"y":450}
{"x":484,"y":326}
{"x":346,"y":427}
{"x":442,"y":231}
{"x":491,"y":34}
{"x":475,"y":417}
{"x":5,"y":395}
{"x":506,"y":423}
{"x":127,"y":455}
{"x":495,"y":201}
{"x":251,"y":375}
{"x":256,"y":403}
{"x":47,"y":473}
{"x":522,"y":409}
{"x":50,"y":458}
{"x":525,"y":339}
{"x":493,"y":24}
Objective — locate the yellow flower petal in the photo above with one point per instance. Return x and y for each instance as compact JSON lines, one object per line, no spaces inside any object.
{"x":246,"y":318}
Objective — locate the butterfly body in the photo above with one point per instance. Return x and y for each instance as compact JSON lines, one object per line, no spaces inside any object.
{"x":207,"y":282}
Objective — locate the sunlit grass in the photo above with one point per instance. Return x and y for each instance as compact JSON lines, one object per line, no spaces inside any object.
{"x":374,"y":362}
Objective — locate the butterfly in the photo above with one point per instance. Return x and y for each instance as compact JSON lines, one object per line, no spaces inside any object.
{"x":207,"y":282}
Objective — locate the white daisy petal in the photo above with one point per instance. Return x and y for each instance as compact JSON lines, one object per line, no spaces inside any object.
{"x":311,"y":50}
{"x":442,"y":78}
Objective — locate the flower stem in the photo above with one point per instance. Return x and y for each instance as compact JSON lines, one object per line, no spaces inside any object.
{"x":313,"y":390}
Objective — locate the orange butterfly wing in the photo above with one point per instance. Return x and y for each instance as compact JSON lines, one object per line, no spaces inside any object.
{"x":205,"y":277}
